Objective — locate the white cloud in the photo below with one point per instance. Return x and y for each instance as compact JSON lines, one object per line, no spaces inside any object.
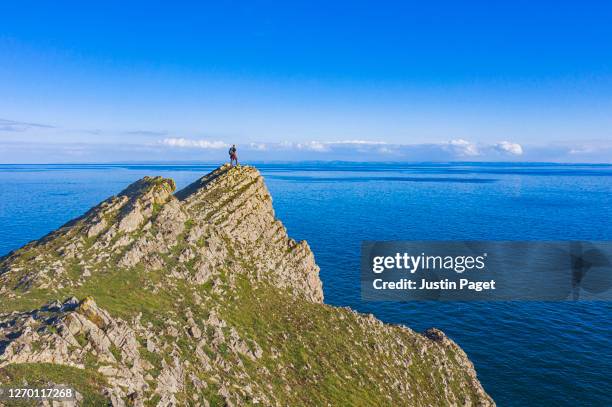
{"x":189,"y":143}
{"x":508,"y":147}
{"x":581,"y":150}
{"x":312,"y":146}
{"x":462,"y":147}
{"x":323,"y":146}
{"x":258,"y":146}
{"x":357,"y":142}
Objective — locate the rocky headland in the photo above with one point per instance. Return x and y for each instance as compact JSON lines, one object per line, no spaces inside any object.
{"x":200,"y":298}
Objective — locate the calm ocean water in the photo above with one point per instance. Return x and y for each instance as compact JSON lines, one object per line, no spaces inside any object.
{"x":526,"y":354}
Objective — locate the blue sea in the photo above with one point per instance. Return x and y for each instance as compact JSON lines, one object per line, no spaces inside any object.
{"x":525,"y":353}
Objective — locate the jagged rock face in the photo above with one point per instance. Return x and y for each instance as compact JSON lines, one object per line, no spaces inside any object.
{"x":201,"y":298}
{"x":68,"y":333}
{"x":238,"y":203}
{"x":225,"y":210}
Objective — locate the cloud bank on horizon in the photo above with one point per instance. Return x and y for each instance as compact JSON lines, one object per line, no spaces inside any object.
{"x":368,"y":150}
{"x":55,"y":144}
{"x":457,"y":149}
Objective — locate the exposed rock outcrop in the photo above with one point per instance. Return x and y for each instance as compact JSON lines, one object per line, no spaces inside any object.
{"x":201,"y":298}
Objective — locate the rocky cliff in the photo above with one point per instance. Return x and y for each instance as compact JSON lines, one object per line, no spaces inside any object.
{"x":200,"y":298}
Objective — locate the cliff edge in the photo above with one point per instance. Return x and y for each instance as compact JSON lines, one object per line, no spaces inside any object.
{"x":200,"y":298}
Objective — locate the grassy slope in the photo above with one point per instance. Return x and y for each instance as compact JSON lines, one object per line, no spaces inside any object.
{"x":88,"y":383}
{"x":321,"y":350}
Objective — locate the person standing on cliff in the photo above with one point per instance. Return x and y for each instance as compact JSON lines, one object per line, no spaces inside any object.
{"x":233,"y":155}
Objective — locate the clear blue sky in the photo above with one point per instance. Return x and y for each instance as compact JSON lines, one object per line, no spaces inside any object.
{"x":480,"y":80}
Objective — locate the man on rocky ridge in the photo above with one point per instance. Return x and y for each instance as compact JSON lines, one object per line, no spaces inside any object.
{"x":233,"y":155}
